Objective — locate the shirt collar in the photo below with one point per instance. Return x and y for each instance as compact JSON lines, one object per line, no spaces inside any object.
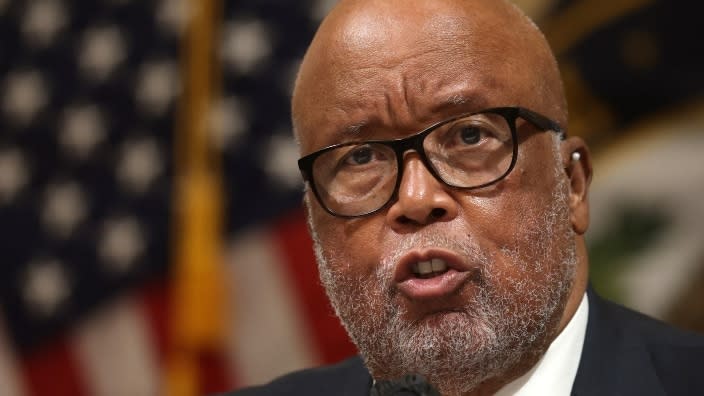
{"x":557,"y":369}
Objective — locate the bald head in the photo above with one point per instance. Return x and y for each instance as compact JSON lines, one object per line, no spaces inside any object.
{"x":451,"y":40}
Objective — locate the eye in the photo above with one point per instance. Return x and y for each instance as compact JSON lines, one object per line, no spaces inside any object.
{"x":360,"y":156}
{"x":364,"y":154}
{"x":470,"y":134}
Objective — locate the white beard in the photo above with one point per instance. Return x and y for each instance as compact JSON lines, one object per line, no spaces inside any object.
{"x":499,"y":330}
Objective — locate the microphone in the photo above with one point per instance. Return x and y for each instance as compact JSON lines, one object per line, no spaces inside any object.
{"x":409,"y":385}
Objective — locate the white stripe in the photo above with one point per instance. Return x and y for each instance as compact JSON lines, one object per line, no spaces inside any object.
{"x":115,"y":353}
{"x":268,"y":335}
{"x":10,"y":380}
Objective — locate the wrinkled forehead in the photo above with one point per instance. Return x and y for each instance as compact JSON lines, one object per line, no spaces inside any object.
{"x":403,"y":63}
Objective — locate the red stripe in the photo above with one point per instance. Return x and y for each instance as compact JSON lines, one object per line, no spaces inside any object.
{"x":53,"y":370}
{"x":155,"y":306}
{"x":296,"y":245}
{"x":213,"y":373}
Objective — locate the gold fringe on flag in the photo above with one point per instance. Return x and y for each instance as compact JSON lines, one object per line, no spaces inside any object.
{"x":197,"y":283}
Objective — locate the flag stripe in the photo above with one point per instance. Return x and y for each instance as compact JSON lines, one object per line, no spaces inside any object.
{"x":9,"y":370}
{"x":53,"y":370}
{"x":213,"y":373}
{"x":268,"y":321}
{"x":114,"y":350}
{"x":293,"y":238}
{"x":155,"y":309}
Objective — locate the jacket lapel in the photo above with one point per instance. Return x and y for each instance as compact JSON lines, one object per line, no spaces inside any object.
{"x":613,"y":361}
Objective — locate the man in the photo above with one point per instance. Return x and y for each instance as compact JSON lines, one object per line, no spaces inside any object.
{"x":448,"y":207}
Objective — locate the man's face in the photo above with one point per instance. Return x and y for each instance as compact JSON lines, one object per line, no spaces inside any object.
{"x":508,"y":249}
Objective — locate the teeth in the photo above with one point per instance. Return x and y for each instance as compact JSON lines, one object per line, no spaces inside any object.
{"x":438,"y":265}
{"x":429,"y":266}
{"x":425,"y":267}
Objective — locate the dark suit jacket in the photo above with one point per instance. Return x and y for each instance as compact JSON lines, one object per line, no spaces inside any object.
{"x":625,"y":353}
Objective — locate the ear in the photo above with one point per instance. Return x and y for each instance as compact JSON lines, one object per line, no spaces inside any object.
{"x":578,"y":168}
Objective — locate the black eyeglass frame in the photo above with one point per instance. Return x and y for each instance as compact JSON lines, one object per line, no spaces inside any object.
{"x":415,"y":142}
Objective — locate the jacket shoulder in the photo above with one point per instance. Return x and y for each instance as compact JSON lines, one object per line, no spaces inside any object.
{"x":677,"y":356}
{"x":348,"y":377}
{"x":626,"y":351}
{"x":639,"y":328}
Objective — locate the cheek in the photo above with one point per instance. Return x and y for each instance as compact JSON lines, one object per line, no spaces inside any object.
{"x":523,"y":255}
{"x":350,"y":245}
{"x":507,"y":220}
{"x":518,"y":224}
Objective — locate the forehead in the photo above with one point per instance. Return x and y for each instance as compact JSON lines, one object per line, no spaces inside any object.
{"x":377,"y":74}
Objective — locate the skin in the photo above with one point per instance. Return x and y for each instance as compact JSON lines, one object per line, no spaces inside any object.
{"x":387,"y":69}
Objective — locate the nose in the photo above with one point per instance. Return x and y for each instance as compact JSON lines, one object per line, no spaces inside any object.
{"x":422,"y":199}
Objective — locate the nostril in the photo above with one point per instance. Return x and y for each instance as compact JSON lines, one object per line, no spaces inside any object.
{"x":404,"y":220}
{"x":434,"y":215}
{"x":438,"y":213}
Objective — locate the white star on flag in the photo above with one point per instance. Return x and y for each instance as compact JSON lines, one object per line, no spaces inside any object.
{"x":139,"y":164}
{"x":103,"y":49}
{"x":245,"y":44}
{"x":43,"y":21}
{"x":121,"y":244}
{"x":14,"y":174}
{"x":83,"y":129}
{"x":64,"y":208}
{"x":25,"y":95}
{"x":46,"y":286}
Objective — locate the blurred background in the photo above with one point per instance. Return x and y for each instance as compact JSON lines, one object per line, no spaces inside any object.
{"x":151,"y":236}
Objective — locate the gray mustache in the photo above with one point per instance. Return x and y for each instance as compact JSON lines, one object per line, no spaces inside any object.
{"x":465,"y":246}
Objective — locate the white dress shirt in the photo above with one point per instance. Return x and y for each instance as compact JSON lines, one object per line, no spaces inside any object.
{"x":555,"y":372}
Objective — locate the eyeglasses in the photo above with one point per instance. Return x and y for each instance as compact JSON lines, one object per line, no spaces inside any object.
{"x":468,"y":151}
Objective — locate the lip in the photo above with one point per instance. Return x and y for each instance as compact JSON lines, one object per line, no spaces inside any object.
{"x":447,"y":283}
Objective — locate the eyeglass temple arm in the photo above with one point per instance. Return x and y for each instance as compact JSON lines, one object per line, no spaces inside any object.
{"x":542,"y":122}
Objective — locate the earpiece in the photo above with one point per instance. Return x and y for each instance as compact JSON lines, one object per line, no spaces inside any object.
{"x":576,"y":156}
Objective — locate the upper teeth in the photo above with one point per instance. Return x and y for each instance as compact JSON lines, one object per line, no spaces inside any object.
{"x":429,"y":266}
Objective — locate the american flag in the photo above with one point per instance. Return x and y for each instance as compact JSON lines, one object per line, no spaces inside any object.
{"x":88,"y":119}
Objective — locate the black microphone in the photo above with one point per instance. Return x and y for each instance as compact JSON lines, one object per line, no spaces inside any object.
{"x":410,"y":385}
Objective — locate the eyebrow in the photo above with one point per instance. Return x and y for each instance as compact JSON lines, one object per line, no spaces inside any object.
{"x":467,"y":101}
{"x":456,"y":100}
{"x":358,"y":131}
{"x":355,"y":129}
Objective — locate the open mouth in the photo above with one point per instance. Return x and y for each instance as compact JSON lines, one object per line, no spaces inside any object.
{"x":433,"y":273}
{"x":429,"y":268}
